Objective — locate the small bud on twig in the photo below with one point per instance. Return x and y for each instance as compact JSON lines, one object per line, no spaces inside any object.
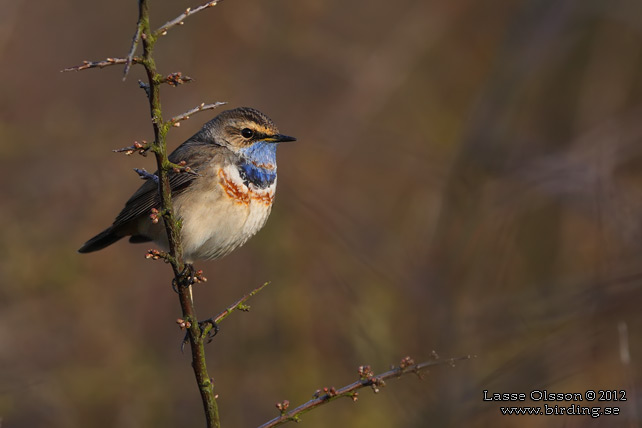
{"x":154,"y":215}
{"x":153,"y":254}
{"x":328,"y":392}
{"x":283,"y":406}
{"x":183,"y":324}
{"x":141,"y":148}
{"x":182,"y":167}
{"x":198,"y":276}
{"x":156,"y":255}
{"x":376,"y":383}
{"x":365,"y":372}
{"x":406,"y":362}
{"x":175,"y":79}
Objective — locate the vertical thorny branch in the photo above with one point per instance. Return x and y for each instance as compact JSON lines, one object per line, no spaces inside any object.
{"x":172,"y":226}
{"x":182,"y":275}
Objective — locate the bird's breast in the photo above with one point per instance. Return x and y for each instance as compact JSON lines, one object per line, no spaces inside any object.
{"x":224,"y":215}
{"x":243,"y":193}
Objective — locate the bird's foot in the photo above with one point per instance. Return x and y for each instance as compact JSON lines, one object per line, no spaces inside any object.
{"x":209,"y":332}
{"x":188,"y":277}
{"x":209,"y":328}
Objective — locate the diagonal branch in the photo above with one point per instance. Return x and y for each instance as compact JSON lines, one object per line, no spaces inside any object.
{"x":367,"y":379}
{"x":161,"y":31}
{"x":212,"y":324}
{"x":240,"y":304}
{"x":175,"y":121}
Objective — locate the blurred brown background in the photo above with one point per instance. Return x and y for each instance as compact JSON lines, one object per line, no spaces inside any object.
{"x":467,"y":179}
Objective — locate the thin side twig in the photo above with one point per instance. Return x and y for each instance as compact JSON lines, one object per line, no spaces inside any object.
{"x":101,"y":64}
{"x":141,"y":148}
{"x":374,"y":381}
{"x":162,"y":30}
{"x":213,"y":322}
{"x":175,"y":121}
{"x":132,"y":50}
{"x":239,"y":304}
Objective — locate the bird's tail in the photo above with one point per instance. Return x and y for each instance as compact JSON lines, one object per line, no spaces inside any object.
{"x":100,"y":241}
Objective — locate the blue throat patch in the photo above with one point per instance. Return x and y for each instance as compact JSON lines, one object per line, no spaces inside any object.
{"x":258,"y":164}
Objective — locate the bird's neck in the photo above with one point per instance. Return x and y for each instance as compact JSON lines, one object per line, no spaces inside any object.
{"x":257,"y":164}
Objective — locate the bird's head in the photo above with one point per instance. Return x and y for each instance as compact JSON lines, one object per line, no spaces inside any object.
{"x":241,"y":128}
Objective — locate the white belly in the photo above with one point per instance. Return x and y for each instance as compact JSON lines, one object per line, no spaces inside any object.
{"x":221,"y":216}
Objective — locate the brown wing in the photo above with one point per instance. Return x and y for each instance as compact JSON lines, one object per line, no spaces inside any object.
{"x":196,"y":154}
{"x":147,"y":197}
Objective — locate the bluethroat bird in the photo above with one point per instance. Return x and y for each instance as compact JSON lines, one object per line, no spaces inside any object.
{"x":224,"y":203}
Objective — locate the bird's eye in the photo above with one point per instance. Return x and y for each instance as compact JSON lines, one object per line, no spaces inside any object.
{"x":247,"y":133}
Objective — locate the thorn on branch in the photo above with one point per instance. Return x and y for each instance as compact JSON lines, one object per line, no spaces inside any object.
{"x":176,"y":119}
{"x":146,"y":175}
{"x":141,"y":148}
{"x":101,"y":64}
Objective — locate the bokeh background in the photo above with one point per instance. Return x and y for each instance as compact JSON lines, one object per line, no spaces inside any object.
{"x":468,"y":179}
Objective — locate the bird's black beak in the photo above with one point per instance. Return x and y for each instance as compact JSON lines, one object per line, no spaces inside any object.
{"x":280,"y":138}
